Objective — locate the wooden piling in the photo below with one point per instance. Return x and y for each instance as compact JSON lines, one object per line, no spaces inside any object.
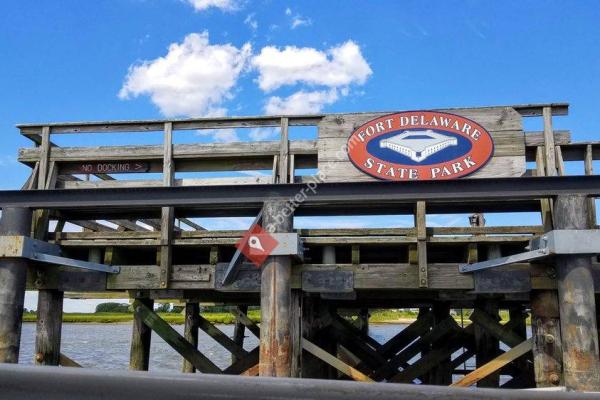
{"x":547,"y":343}
{"x":581,"y":365}
{"x":275,"y":299}
{"x":487,"y":347}
{"x":48,"y":327}
{"x":13,"y":272}
{"x":190,"y":331}
{"x":239,"y":331}
{"x":139,"y":356}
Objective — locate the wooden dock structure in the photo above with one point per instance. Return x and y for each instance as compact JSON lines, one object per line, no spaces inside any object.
{"x":314,"y":305}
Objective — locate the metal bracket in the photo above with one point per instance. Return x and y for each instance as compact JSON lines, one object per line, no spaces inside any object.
{"x":560,"y":241}
{"x":37,"y":250}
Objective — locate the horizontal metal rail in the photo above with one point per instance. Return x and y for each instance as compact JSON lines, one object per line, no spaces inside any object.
{"x":53,"y":383}
{"x":466,"y":194}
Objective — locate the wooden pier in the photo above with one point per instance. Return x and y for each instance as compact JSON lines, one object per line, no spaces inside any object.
{"x":314,"y":305}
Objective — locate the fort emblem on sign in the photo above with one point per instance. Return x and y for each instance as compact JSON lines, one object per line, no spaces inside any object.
{"x":420,"y":145}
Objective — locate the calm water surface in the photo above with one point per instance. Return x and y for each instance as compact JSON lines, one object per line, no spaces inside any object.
{"x":106,"y":346}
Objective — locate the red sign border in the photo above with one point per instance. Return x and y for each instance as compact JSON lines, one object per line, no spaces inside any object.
{"x":382,"y":117}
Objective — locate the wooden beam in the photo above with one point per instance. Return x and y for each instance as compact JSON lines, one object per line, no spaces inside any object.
{"x":487,"y":347}
{"x":221,"y":338}
{"x":550,"y":155}
{"x":243,"y":318}
{"x":334,"y":362}
{"x":167,"y":213}
{"x":174,"y":339}
{"x":495,"y":364}
{"x":589,"y":170}
{"x":284,"y":152}
{"x":65,"y":361}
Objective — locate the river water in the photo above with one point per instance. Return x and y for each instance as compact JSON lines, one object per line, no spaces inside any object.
{"x":106,"y":346}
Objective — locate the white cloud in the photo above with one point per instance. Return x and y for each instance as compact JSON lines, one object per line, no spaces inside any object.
{"x":223,"y":5}
{"x":226,"y":135}
{"x":193,"y":79}
{"x":336,"y":67}
{"x":301,"y":102}
{"x":251,"y":21}
{"x":299,"y":20}
{"x":263,"y":133}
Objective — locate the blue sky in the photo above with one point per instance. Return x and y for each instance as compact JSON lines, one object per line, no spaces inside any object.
{"x":69,"y":60}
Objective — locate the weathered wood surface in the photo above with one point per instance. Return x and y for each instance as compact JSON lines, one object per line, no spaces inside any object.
{"x":275,"y":300}
{"x":174,"y":339}
{"x":13,"y":271}
{"x":65,"y":361}
{"x":190,"y":331}
{"x":503,"y":123}
{"x":150,"y":153}
{"x":494,"y":365}
{"x":334,"y":362}
{"x":141,"y":335}
{"x":547,"y":342}
{"x":577,"y":302}
{"x":48,"y":327}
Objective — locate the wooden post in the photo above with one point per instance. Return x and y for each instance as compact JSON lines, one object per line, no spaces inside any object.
{"x":284,"y":152}
{"x":190,"y":331}
{"x":275,"y":299}
{"x":581,"y":365}
{"x":239,"y":331}
{"x":487,"y":347}
{"x":139,"y":356}
{"x":442,"y":373}
{"x":167,"y":213}
{"x":420,"y":225}
{"x":13,"y":273}
{"x":48,"y":327}
{"x":547,"y":344}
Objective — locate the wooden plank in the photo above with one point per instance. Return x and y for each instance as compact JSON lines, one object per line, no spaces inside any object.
{"x":493,"y":327}
{"x":560,"y":164}
{"x":263,"y":150}
{"x":334,"y":362}
{"x":487,"y":347}
{"x":495,"y":364}
{"x":420,"y":224}
{"x":44,"y":157}
{"x":174,"y":339}
{"x":167,"y":213}
{"x":284,"y":152}
{"x":536,"y":138}
{"x":549,"y":153}
{"x":589,"y":170}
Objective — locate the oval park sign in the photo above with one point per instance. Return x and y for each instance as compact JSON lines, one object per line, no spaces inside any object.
{"x":420,"y":145}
